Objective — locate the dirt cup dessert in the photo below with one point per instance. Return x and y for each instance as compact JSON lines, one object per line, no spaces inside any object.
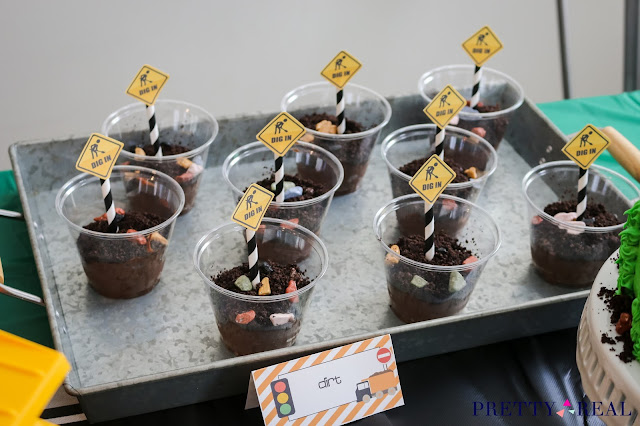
{"x":500,"y":96}
{"x":186,"y":132}
{"x":126,"y":263}
{"x":312,"y":176}
{"x":471,"y":157}
{"x":270,"y":315}
{"x":564,"y":251}
{"x":419,"y":289}
{"x":314,"y":105}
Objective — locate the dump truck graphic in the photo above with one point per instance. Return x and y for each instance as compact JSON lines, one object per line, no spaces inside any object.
{"x":377,"y":385}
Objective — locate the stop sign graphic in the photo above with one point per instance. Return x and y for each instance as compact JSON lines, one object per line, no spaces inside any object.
{"x":384,"y":355}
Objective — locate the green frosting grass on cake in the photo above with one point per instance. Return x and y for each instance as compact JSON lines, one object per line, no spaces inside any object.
{"x":629,"y":271}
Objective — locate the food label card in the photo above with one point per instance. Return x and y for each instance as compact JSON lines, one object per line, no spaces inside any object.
{"x":252,"y":207}
{"x":586,"y":146}
{"x":99,"y":155}
{"x":432,"y":179}
{"x":147,"y":84}
{"x":341,"y":68}
{"x":444,"y":106}
{"x":333,"y":387}
{"x":482,"y":45}
{"x":281,"y":133}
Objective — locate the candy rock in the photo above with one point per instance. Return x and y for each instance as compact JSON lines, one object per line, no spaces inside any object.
{"x":570,"y":217}
{"x":470,"y":259}
{"x":390,"y":259}
{"x":456,"y":282}
{"x":265,"y":288}
{"x":140,"y":239}
{"x":480,"y":131}
{"x":290,"y":289}
{"x":418,"y":281}
{"x":296,"y":191}
{"x":195,"y":169}
{"x":184,"y":162}
{"x":471,"y":172}
{"x":286,"y":185}
{"x":325,"y":126}
{"x":139,"y":151}
{"x":244,"y":283}
{"x":245,"y":317}
{"x":281,"y":319}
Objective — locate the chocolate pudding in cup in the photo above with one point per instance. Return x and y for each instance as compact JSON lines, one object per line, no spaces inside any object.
{"x":500,"y":96}
{"x":471,"y":157}
{"x":246,"y":320}
{"x":419,"y":290}
{"x":563,"y":251}
{"x":186,"y":133}
{"x":314,"y":170}
{"x":128,"y":263}
{"x":366,"y":112}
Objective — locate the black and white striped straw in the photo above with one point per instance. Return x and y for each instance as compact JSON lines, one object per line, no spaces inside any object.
{"x":439,"y":142}
{"x":342,"y":122}
{"x":154,"y":133}
{"x":279,"y":178}
{"x":252,"y":246}
{"x":105,"y":186}
{"x":582,"y":193}
{"x":429,"y":249}
{"x":475,"y":92}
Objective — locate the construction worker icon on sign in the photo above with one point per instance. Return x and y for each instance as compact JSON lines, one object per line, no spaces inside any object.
{"x":94,"y":150}
{"x":443,"y":100}
{"x":279,"y":127}
{"x":430,"y":173}
{"x":143,"y":79}
{"x":250,"y":201}
{"x":584,"y":140}
{"x":480,"y":41}
{"x":339,"y":63}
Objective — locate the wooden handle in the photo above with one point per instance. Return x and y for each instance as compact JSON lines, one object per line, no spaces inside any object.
{"x":624,"y":152}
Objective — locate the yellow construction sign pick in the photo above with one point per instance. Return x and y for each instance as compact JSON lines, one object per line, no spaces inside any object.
{"x":147,"y":84}
{"x":482,"y":45}
{"x":586,"y":146}
{"x":281,"y":133}
{"x":444,"y":106}
{"x":341,"y":68}
{"x":252,"y":207}
{"x":432,"y":179}
{"x":99,"y":155}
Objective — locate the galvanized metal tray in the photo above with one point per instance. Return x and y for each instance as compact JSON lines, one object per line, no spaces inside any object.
{"x":163,"y":350}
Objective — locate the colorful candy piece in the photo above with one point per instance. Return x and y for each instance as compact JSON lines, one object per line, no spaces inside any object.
{"x":286,"y":185}
{"x":156,"y":242}
{"x":281,"y":319}
{"x":536,"y":220}
{"x":290,"y":289}
{"x":456,"y":282}
{"x":119,"y":211}
{"x":470,"y":259}
{"x":418,"y":281}
{"x":325,"y":126}
{"x":265,"y":288}
{"x":185,"y":177}
{"x":480,"y":131}
{"x":184,"y":162}
{"x":243,"y":283}
{"x":293,"y":220}
{"x":449,"y":205}
{"x":455,"y":120}
{"x":195,"y":169}
{"x":139,"y":151}
{"x":245,"y":317}
{"x":570,"y":217}
{"x":390,"y":259}
{"x":296,"y":191}
{"x":471,"y":172}
{"x":140,"y":239}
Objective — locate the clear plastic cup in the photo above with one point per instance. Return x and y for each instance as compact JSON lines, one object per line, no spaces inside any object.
{"x":565,"y":253}
{"x":254,"y":162}
{"x":496,"y":89}
{"x":180,"y":123}
{"x":447,"y":288}
{"x":361,"y":105}
{"x":416,"y":142}
{"x":122,"y":265}
{"x":225,"y":248}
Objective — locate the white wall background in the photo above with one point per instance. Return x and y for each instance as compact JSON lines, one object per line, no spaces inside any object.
{"x":65,"y":65}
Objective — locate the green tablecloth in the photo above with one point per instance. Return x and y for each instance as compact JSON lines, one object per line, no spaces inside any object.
{"x":620,"y":111}
{"x":30,"y":321}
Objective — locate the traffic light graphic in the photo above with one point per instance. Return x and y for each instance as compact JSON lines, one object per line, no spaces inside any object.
{"x":282,"y":397}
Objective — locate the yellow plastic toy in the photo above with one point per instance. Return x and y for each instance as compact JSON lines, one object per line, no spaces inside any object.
{"x":30,"y":374}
